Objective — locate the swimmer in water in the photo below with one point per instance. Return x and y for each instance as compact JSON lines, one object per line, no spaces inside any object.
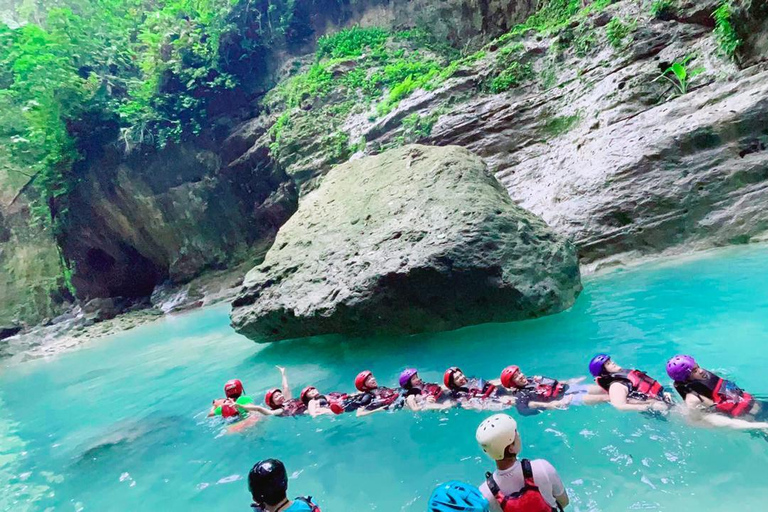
{"x":457,"y":497}
{"x":235,"y":394}
{"x":473,"y":393}
{"x":710,"y":398}
{"x":372,"y":397}
{"x":628,"y":390}
{"x":422,"y":396}
{"x":318,"y":405}
{"x":280,"y":402}
{"x":535,"y":393}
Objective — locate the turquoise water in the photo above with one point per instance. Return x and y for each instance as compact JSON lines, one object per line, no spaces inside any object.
{"x":119,"y":425}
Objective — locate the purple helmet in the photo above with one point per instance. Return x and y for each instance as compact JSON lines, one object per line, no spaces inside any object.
{"x":679,"y":368}
{"x":597,"y":363}
{"x":405,"y":377}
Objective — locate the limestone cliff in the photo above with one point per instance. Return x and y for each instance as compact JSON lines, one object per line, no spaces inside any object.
{"x":572,"y":117}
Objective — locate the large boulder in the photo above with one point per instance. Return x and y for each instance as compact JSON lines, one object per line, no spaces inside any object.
{"x":415,"y":239}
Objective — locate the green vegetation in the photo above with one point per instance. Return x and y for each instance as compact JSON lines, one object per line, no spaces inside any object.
{"x":661,"y":8}
{"x":559,"y":125}
{"x":618,"y":31}
{"x":84,"y":71}
{"x":417,"y":127}
{"x":727,"y":38}
{"x":515,"y":74}
{"x":680,"y":76}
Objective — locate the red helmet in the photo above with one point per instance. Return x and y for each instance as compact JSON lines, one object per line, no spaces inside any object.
{"x":448,"y":377}
{"x":233,"y":388}
{"x":360,"y":380}
{"x":269,"y":396}
{"x":507,"y":374}
{"x":229,"y":411}
{"x":303,"y":396}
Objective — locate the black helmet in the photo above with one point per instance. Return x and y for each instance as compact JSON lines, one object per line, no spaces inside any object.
{"x":268,"y":481}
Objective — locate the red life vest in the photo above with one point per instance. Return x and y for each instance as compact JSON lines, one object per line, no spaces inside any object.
{"x":642,"y":386}
{"x":385,"y":396}
{"x":293,"y":407}
{"x":546,"y":389}
{"x":432,"y":389}
{"x":229,"y":411}
{"x":527,"y":499}
{"x":728,"y":397}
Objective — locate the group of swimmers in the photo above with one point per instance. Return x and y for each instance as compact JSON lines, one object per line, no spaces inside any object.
{"x":707,"y":397}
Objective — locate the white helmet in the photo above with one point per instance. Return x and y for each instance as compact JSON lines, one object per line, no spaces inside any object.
{"x":495,"y":434}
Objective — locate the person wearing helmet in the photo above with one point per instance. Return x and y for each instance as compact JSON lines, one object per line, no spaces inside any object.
{"x":517,"y":485}
{"x":372,"y":397}
{"x":473,"y":393}
{"x":535,"y":393}
{"x":268,"y":485}
{"x":420,"y":395}
{"x":235,"y":395}
{"x":279,"y":400}
{"x":457,"y":497}
{"x":714,"y":400}
{"x":628,"y":390}
{"x":319,"y":405}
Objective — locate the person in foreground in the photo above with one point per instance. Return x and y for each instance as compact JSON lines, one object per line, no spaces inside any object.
{"x":714,"y":400}
{"x":628,"y":390}
{"x":534,"y":393}
{"x":517,"y":485}
{"x":268,"y":483}
{"x":422,"y":396}
{"x":457,"y":497}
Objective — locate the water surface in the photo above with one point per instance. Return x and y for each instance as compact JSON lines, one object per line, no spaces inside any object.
{"x":119,"y":425}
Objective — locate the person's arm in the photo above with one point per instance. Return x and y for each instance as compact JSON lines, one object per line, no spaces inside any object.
{"x":315,"y":409}
{"x":557,"y":404}
{"x":558,"y":489}
{"x":618,"y":396}
{"x":367,"y":412}
{"x":261,"y":410}
{"x":577,"y":380}
{"x":412,"y":403}
{"x":286,"y":389}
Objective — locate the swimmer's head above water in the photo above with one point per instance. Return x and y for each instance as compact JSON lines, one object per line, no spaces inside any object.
{"x":682,"y":368}
{"x":410,"y":379}
{"x":274,"y":398}
{"x":512,"y":377}
{"x":308,"y":393}
{"x":233,"y":388}
{"x":601,"y":364}
{"x":365,"y":381}
{"x":454,"y":378}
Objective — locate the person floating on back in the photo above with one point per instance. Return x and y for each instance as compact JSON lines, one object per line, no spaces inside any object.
{"x":628,"y":390}
{"x":280,"y":401}
{"x":534,"y":393}
{"x":712,"y":399}
{"x":422,"y":396}
{"x":372,"y":397}
{"x":472,"y":392}
{"x":268,"y":484}
{"x":318,"y":405}
{"x":517,"y":485}
{"x":457,"y":497}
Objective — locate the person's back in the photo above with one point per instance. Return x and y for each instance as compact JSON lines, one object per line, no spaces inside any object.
{"x":517,"y":485}
{"x":511,"y":481}
{"x":268,"y":484}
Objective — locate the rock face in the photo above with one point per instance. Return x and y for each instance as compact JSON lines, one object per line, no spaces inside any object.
{"x":415,"y":239}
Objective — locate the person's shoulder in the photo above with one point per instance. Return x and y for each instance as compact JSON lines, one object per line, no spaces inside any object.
{"x":299,"y":506}
{"x":542,"y":466}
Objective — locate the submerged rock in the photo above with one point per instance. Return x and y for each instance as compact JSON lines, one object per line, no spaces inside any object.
{"x":416,"y":239}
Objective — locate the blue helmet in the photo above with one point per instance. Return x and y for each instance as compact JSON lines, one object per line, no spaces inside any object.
{"x":457,"y":497}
